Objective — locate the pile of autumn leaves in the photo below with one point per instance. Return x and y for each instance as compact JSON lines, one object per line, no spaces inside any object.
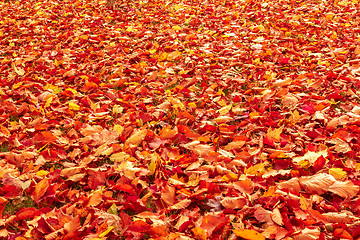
{"x":179,"y":120}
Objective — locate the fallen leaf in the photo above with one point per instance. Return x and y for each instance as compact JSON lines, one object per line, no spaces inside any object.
{"x":249,"y":234}
{"x":137,"y":137}
{"x":40,"y":189}
{"x":345,"y":189}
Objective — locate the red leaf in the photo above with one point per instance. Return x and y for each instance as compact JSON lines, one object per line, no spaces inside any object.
{"x":27,"y":213}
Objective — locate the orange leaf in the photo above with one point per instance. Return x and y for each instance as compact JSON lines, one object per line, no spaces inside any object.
{"x":95,"y":199}
{"x":137,"y":137}
{"x":3,"y":202}
{"x":233,"y":202}
{"x":167,"y":133}
{"x":5,"y":131}
{"x":212,"y":221}
{"x":249,"y":234}
{"x":40,"y":189}
{"x":168,"y":195}
{"x":199,"y":233}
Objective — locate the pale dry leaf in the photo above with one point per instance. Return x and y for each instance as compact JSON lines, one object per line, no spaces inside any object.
{"x":333,"y":123}
{"x":311,"y":157}
{"x":224,"y":110}
{"x":293,"y":183}
{"x":318,"y":183}
{"x":276,"y":216}
{"x":340,"y":145}
{"x":181,"y":221}
{"x":336,"y":217}
{"x":345,"y":189}
{"x":181,"y":205}
{"x":290,"y":101}
{"x":307,"y":234}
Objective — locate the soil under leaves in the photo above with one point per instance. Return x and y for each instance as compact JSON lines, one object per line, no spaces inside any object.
{"x":179,"y":119}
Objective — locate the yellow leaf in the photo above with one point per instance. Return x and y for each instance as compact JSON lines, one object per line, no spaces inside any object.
{"x":249,"y":234}
{"x":17,"y":85}
{"x":337,"y":173}
{"x":129,"y":29}
{"x":230,"y":177}
{"x":71,"y":90}
{"x":118,"y":128}
{"x":176,"y":27}
{"x":49,"y":101}
{"x":42,"y":173}
{"x":152,"y":51}
{"x":193,"y":180}
{"x":177,"y":7}
{"x":74,"y":106}
{"x":256,"y":169}
{"x":176,"y":103}
{"x":274,"y":133}
{"x":117,"y":109}
{"x":295,"y":116}
{"x":163,"y":56}
{"x":225,"y":110}
{"x":254,"y":115}
{"x":152,"y":167}
{"x":103,"y":234}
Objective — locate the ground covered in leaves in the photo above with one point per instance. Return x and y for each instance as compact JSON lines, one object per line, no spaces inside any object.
{"x":179,"y":119}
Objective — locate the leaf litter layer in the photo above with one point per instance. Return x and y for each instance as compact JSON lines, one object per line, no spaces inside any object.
{"x":179,"y":120}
